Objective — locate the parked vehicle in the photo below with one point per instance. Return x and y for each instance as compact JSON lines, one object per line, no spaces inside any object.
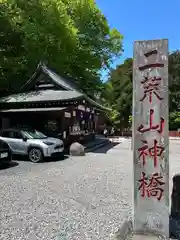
{"x":5,"y":153}
{"x":32,"y":143}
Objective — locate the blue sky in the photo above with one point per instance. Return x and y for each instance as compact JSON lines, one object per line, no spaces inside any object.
{"x":143,"y":20}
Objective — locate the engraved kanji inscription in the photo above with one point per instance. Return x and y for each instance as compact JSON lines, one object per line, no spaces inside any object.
{"x":158,"y":127}
{"x":151,"y":87}
{"x":151,"y":186}
{"x":151,"y":65}
{"x":154,"y":152}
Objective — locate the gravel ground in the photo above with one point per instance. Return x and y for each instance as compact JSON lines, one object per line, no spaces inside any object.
{"x":80,"y":198}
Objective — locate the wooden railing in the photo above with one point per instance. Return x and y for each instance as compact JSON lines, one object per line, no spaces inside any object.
{"x":174,"y":134}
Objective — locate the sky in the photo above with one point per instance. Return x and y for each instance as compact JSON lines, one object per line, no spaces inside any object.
{"x":143,"y":20}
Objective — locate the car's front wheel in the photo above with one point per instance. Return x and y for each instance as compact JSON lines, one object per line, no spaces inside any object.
{"x":35,"y":155}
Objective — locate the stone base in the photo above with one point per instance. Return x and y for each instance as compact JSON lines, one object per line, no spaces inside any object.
{"x":126,"y":233}
{"x":145,"y":237}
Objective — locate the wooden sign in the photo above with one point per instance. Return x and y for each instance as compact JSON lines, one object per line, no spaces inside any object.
{"x":150,"y":137}
{"x":67,"y":115}
{"x":81,"y":107}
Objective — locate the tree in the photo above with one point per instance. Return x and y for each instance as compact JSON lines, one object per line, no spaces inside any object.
{"x":121,"y":92}
{"x":11,"y":49}
{"x":174,"y":120}
{"x":73,"y":37}
{"x":174,"y":81}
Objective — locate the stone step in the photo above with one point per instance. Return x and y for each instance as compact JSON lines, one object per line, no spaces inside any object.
{"x":98,"y":143}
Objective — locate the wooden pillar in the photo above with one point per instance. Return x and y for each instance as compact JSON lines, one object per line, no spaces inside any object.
{"x":150,"y":137}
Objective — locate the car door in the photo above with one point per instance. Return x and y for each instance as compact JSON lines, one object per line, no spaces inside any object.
{"x":18,"y":144}
{"x":14,"y":140}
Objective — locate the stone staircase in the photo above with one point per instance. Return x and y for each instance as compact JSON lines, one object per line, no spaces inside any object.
{"x":99,"y":142}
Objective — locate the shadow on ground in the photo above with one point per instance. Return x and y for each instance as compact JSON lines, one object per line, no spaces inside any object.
{"x":9,"y":165}
{"x":105,"y":149}
{"x":53,"y":159}
{"x":56,"y":159}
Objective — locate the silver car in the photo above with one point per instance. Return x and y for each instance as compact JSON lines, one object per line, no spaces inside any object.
{"x":32,"y":143}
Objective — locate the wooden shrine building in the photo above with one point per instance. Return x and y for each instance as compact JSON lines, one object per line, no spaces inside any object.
{"x":53,"y":105}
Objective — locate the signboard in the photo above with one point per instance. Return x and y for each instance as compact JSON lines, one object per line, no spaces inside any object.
{"x":67,"y":115}
{"x":81,"y":107}
{"x":150,"y":137}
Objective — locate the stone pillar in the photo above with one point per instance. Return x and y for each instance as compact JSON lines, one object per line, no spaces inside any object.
{"x":150,"y":133}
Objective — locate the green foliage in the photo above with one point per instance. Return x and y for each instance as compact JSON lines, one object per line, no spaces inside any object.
{"x":120,"y":95}
{"x":73,"y":37}
{"x":174,"y":90}
{"x":174,"y":81}
{"x":11,"y":49}
{"x":174,"y":120}
{"x":114,"y":116}
{"x":121,"y":91}
{"x":130,"y":121}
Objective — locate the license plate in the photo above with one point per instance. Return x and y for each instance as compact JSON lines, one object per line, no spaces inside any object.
{"x":3,"y":155}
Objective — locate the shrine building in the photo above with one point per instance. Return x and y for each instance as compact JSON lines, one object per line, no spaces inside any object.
{"x":54,"y":105}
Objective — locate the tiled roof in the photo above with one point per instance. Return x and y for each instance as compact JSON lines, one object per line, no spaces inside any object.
{"x":41,"y":96}
{"x":34,"y":109}
{"x":65,"y":83}
{"x":70,"y":91}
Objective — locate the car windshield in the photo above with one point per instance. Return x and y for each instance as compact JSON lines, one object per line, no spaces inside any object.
{"x":34,"y":134}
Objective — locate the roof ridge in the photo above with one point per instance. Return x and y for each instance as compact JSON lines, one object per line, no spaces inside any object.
{"x":68,"y":84}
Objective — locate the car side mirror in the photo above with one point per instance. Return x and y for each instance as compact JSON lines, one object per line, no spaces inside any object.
{"x":24,"y":139}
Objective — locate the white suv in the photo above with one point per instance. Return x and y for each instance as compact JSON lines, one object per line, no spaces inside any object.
{"x":32,"y":143}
